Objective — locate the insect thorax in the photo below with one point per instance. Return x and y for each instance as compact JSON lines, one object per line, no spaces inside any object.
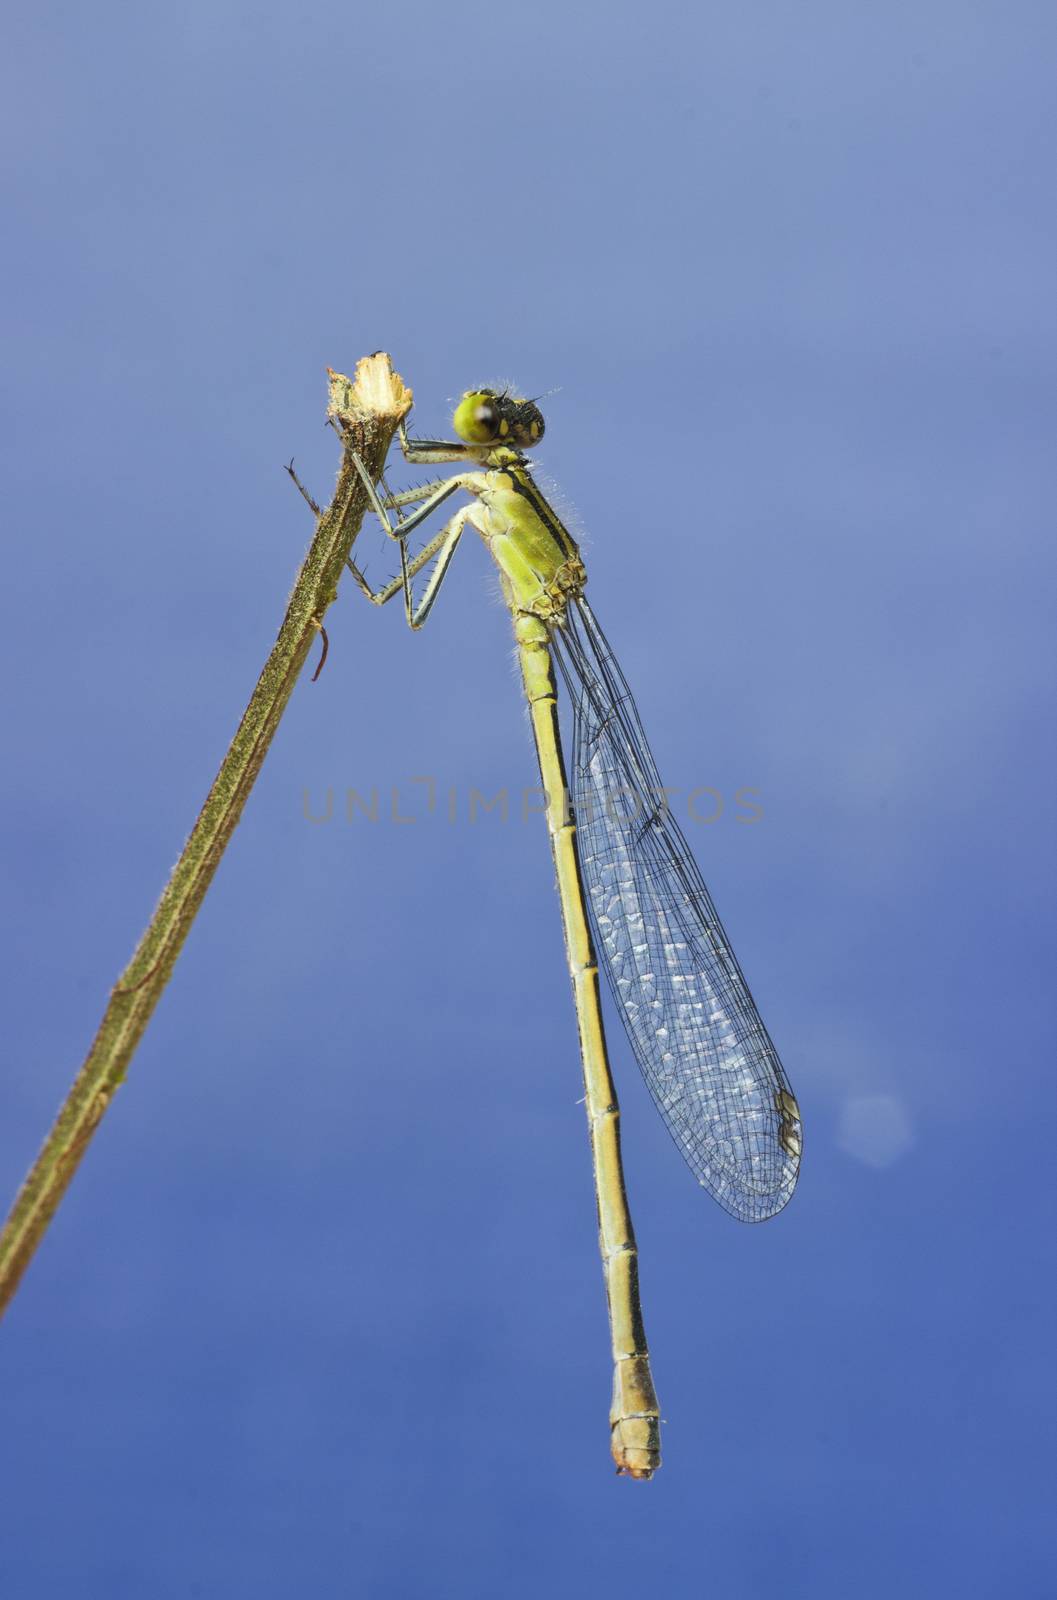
{"x":534,"y":550}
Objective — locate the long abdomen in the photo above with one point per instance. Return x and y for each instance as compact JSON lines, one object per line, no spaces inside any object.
{"x":634,"y":1416}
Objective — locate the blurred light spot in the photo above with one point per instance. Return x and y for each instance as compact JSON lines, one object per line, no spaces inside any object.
{"x":875,"y":1128}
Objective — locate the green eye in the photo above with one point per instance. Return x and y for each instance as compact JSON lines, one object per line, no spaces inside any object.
{"x":475,"y":417}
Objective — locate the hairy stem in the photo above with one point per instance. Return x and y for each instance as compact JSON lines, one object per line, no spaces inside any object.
{"x":365,"y":413}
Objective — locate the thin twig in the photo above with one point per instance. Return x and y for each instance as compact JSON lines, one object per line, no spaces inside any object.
{"x":323,"y":653}
{"x":365,"y":414}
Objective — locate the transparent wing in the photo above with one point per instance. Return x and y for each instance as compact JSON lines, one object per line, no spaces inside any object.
{"x":701,"y":1044}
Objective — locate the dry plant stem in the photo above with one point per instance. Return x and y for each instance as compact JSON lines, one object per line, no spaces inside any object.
{"x":365,"y":413}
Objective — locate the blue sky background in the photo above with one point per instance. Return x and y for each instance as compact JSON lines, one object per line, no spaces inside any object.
{"x":323,"y":1313}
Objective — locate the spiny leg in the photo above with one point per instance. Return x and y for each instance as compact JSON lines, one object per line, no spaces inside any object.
{"x":408,"y":497}
{"x":405,"y":497}
{"x":445,"y":543}
{"x":423,"y":451}
{"x":381,"y":597}
{"x":416,"y":617}
{"x":290,"y":469}
{"x":446,"y":487}
{"x":332,"y":422}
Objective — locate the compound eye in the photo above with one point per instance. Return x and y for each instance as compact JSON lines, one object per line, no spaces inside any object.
{"x":476,"y":417}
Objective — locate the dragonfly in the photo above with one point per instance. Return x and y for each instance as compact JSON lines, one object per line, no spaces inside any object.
{"x":634,"y":903}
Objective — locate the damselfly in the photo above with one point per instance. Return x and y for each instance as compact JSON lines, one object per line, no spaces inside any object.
{"x":633,"y":899}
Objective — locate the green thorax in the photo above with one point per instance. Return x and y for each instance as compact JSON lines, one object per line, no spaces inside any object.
{"x":532,"y":547}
